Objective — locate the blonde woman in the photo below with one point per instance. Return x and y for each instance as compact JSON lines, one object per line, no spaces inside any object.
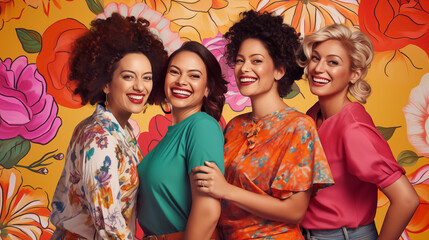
{"x":336,"y":60}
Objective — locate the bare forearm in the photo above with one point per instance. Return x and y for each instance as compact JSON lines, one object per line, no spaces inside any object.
{"x":395,"y":222}
{"x":203,"y":217}
{"x":202,"y":222}
{"x":289,"y":210}
{"x":403,"y":203}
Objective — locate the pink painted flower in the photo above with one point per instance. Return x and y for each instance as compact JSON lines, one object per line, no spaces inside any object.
{"x":135,"y":127}
{"x":159,"y":25}
{"x":236,"y":101}
{"x":26,"y":109}
{"x":417,"y":116}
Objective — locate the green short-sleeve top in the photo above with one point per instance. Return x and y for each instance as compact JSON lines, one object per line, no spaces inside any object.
{"x":164,"y":193}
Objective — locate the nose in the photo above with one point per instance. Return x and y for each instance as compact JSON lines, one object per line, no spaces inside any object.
{"x":139,"y":85}
{"x":181,"y":80}
{"x":319,"y":67}
{"x":245,"y":67}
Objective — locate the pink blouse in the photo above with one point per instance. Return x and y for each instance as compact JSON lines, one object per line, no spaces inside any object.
{"x":360,"y":160}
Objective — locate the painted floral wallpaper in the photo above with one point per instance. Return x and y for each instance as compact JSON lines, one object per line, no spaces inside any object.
{"x":38,"y":111}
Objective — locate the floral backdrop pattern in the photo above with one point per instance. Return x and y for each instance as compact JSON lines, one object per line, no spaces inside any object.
{"x":38,"y":111}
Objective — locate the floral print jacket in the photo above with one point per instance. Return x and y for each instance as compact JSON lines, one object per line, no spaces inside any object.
{"x":96,"y":195}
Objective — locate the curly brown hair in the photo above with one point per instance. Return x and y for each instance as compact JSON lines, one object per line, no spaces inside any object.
{"x":96,"y":53}
{"x":216,"y":83}
{"x":281,"y":41}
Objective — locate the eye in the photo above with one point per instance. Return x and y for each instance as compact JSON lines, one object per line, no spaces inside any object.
{"x":238,"y":60}
{"x":257,"y":61}
{"x":147,"y":78}
{"x":314,"y":58}
{"x":127,"y":76}
{"x":195,"y":76}
{"x":332,"y":62}
{"x":173,"y":71}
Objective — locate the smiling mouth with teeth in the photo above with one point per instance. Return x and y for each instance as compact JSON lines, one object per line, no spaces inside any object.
{"x":180,"y":92}
{"x":247,"y":80}
{"x":136,"y":97}
{"x":320,"y":80}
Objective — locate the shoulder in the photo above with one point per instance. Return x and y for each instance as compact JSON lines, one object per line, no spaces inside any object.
{"x":202,"y":125}
{"x":299,"y":120}
{"x":239,"y":120}
{"x":357,"y":122}
{"x":355,"y":112}
{"x":202,"y":120}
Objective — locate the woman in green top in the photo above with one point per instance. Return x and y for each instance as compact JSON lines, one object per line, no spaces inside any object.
{"x":169,"y":203}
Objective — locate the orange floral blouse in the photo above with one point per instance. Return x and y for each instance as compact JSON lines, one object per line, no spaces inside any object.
{"x":275,"y":155}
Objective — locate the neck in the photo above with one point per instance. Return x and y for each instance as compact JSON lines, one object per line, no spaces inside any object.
{"x":266,"y":104}
{"x":121,"y":118}
{"x":181,"y":114}
{"x":332,"y":105}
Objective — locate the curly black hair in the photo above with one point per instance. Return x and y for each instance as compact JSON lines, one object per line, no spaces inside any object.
{"x":216,"y":83}
{"x":281,"y":41}
{"x":96,"y":53}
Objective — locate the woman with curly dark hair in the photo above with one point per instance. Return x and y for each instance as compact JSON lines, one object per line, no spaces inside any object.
{"x":169,"y":206}
{"x":114,"y":65}
{"x":273,"y":158}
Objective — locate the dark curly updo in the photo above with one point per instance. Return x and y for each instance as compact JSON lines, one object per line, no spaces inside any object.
{"x":96,"y":53}
{"x":279,"y":39}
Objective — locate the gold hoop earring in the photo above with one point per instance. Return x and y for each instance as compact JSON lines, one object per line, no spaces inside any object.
{"x":166,"y":107}
{"x":144,"y":108}
{"x":106,"y":103}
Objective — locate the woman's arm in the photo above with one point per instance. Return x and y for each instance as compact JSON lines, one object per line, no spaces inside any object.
{"x":102,"y":187}
{"x":403,"y":203}
{"x":290,"y":210}
{"x":204,"y":214}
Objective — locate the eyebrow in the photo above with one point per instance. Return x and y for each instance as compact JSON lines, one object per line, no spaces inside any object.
{"x":130,"y":71}
{"x":190,"y":70}
{"x":252,"y":55}
{"x":330,"y":55}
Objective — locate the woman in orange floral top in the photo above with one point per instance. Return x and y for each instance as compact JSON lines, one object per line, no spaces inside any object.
{"x":274,"y":161}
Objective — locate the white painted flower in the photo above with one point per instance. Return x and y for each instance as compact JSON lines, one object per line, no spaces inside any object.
{"x":159,"y":25}
{"x":417,"y":116}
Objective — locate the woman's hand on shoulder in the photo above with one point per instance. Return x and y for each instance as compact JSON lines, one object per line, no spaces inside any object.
{"x":210,"y":180}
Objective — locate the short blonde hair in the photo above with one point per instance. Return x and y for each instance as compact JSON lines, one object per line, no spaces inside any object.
{"x":359,"y":46}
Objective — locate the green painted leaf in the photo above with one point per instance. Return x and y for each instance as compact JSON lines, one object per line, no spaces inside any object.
{"x":96,"y":6}
{"x":408,"y":158}
{"x":386,"y":132}
{"x":31,"y":40}
{"x":295,"y":91}
{"x":13,"y":150}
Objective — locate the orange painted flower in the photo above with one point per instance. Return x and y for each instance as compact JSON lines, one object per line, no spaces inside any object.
{"x":308,"y":16}
{"x":419,"y":223}
{"x":52,"y":61}
{"x":395,"y":24}
{"x":10,"y":9}
{"x":24,"y":210}
{"x":196,"y":20}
